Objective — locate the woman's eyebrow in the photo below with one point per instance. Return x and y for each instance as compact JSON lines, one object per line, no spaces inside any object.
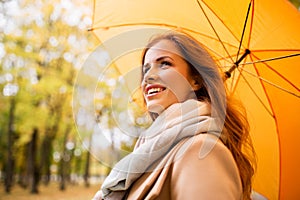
{"x":163,"y":57}
{"x":157,"y":60}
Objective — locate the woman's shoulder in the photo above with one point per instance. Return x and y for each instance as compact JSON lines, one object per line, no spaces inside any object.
{"x":204,"y":149}
{"x":201,"y":146}
{"x":206,"y":163}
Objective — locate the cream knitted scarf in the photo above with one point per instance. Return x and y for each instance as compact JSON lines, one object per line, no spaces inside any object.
{"x":179,"y":121}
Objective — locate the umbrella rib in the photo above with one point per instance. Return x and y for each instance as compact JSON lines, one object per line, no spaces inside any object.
{"x":271,"y":59}
{"x":265,"y":91}
{"x":159,"y":24}
{"x":199,"y":4}
{"x":226,"y":58}
{"x":174,"y":27}
{"x":259,"y":99}
{"x":94,"y":11}
{"x":243,"y":33}
{"x":251,"y":23}
{"x":268,"y":59}
{"x":235,"y":82}
{"x":220,"y":57}
{"x":277,"y":58}
{"x":270,"y":83}
{"x":274,"y":50}
{"x":273,"y":115}
{"x":237,"y":77}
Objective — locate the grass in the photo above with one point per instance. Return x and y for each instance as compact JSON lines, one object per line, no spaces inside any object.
{"x":51,"y":192}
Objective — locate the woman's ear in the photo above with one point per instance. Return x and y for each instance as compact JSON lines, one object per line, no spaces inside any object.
{"x":196,"y":83}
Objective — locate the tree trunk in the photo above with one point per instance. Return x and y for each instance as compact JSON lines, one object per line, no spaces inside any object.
{"x":46,"y":151}
{"x":64,"y":160}
{"x":33,"y":169}
{"x":62,"y":185}
{"x":78,"y":167}
{"x":45,"y":159}
{"x":23,"y":176}
{"x":10,"y":140}
{"x":86,"y":175}
{"x":87,"y":170}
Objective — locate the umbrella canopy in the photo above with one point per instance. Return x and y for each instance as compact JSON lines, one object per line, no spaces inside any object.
{"x":256,"y":44}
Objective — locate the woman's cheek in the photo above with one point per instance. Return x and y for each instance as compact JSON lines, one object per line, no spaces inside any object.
{"x":177,"y":84}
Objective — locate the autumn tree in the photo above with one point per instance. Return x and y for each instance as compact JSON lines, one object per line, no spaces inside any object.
{"x":42,"y":45}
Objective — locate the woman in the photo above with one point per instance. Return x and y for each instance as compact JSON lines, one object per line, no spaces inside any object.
{"x":193,"y":149}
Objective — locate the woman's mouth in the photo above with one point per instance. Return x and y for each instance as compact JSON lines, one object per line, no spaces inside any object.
{"x":152,"y":90}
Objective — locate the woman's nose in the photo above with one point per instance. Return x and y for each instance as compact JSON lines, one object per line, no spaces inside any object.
{"x":151,"y":75}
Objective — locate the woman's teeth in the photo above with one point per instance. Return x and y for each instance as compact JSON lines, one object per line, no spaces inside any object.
{"x":154,"y":90}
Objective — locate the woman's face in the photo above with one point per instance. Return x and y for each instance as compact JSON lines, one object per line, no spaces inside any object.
{"x":167,"y":78}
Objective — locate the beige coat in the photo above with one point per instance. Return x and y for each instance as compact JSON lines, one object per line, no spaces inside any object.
{"x":188,"y":177}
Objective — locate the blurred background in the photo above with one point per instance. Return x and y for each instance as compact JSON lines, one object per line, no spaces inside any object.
{"x":43,"y":154}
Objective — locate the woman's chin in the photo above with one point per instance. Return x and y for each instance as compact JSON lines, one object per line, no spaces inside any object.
{"x":155,"y":108}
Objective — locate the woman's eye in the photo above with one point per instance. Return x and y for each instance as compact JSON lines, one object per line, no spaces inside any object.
{"x":145,"y":69}
{"x":166,"y":63}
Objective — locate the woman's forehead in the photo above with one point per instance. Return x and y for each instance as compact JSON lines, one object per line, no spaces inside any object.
{"x":166,"y":47}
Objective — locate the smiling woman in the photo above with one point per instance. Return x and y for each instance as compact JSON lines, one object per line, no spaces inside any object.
{"x":193,"y":149}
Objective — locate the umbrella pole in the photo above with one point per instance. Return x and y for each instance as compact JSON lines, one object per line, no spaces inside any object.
{"x":227,"y":74}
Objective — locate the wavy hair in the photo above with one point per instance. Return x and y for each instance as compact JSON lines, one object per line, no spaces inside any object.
{"x":235,"y":133}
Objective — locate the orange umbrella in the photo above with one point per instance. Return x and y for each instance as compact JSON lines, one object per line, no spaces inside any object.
{"x":257,"y":45}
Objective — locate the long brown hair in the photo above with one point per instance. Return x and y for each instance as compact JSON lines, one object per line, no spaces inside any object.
{"x":230,"y":112}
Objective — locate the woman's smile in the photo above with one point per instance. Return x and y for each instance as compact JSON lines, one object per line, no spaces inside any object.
{"x":153,"y":90}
